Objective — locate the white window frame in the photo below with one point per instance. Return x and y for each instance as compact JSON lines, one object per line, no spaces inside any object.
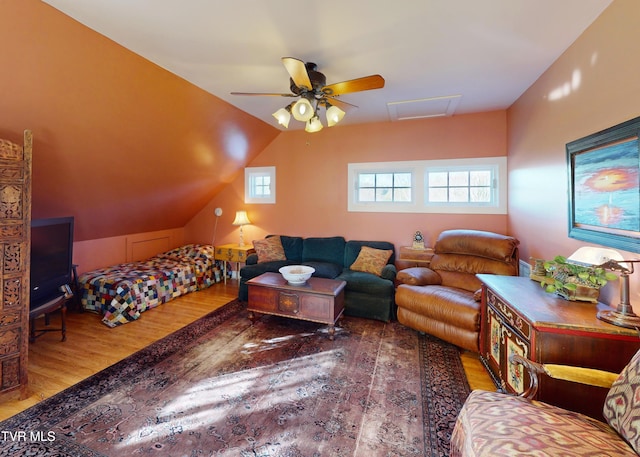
{"x":419,"y":170}
{"x":250,"y":194}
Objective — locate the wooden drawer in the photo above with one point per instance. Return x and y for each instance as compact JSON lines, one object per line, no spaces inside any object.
{"x":301,"y":305}
{"x":231,"y":255}
{"x":509,"y":315}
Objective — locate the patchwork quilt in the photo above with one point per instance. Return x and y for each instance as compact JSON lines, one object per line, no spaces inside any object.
{"x":122,"y":292}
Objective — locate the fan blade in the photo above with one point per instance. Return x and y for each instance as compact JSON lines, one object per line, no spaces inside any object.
{"x":344,"y":106}
{"x":298,"y":72}
{"x":258,"y":93}
{"x":355,"y":85}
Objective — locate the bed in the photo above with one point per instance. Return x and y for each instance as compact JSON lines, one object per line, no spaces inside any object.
{"x":122,"y":292}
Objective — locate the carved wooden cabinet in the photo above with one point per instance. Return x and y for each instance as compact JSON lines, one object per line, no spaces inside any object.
{"x":519,"y":317}
{"x":15,"y":229}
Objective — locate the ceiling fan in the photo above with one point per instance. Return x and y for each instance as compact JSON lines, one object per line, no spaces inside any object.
{"x":307,"y":83}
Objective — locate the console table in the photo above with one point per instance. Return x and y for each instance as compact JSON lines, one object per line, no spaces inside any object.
{"x":519,"y":317}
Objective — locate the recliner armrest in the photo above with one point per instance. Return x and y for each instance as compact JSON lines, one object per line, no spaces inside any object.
{"x":418,"y":276}
{"x":590,"y":376}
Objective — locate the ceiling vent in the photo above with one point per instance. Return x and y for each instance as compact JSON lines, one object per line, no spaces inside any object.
{"x":422,"y":108}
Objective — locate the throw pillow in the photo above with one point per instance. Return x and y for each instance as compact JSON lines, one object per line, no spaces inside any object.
{"x":621,"y":405}
{"x":371,"y":260}
{"x":269,"y":249}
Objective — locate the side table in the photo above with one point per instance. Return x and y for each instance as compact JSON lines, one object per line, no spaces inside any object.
{"x":232,"y":253}
{"x":410,"y":257}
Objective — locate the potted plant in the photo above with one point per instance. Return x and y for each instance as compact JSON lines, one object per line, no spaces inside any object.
{"x":575,"y":281}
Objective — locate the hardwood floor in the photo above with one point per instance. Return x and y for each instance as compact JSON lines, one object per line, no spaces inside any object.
{"x":91,"y":346}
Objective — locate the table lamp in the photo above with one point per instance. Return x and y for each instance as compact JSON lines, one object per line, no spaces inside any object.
{"x":623,"y":315}
{"x":241,"y":219}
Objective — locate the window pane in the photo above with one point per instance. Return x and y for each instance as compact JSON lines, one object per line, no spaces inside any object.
{"x":402,"y":195}
{"x":367,"y":180}
{"x":383,"y":195}
{"x":366,"y":195}
{"x":438,"y":179}
{"x":481,"y":194}
{"x":459,"y":178}
{"x":480,"y":178}
{"x":438,"y":194}
{"x":384,"y":180}
{"x":458,"y":194}
{"x":402,"y":180}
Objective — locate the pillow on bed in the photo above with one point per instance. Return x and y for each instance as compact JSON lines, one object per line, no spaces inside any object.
{"x":371,"y":260}
{"x":269,"y":249}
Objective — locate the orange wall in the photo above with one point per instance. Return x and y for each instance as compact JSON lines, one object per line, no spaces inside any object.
{"x":311,"y":175}
{"x":598,"y":79}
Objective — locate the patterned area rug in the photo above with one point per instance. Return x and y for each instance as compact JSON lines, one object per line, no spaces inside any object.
{"x":279,"y":387}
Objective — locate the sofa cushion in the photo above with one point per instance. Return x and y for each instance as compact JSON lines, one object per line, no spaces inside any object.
{"x":269,"y":249}
{"x":329,"y":249}
{"x":324,"y":269}
{"x":371,"y":260}
{"x":454,"y":306}
{"x":622,"y":405}
{"x":253,"y":271}
{"x":358,"y":281}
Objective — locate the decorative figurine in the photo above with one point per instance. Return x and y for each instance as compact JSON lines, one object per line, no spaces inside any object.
{"x":418,"y":240}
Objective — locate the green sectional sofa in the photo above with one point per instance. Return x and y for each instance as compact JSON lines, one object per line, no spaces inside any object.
{"x":366,"y":294}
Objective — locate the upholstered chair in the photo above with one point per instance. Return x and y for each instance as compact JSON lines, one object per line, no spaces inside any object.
{"x":493,"y":424}
{"x":444,"y":299}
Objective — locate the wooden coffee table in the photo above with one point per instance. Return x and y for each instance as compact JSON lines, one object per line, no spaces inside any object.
{"x":318,"y":300}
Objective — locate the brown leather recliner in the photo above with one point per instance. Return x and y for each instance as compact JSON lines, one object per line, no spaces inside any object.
{"x":444,"y":299}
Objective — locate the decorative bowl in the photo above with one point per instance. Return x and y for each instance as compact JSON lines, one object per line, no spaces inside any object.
{"x":296,"y":275}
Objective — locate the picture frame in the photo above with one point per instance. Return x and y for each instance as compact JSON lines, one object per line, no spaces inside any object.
{"x":604,"y":187}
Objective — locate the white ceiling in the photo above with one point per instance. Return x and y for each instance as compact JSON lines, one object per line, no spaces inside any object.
{"x":468,"y":55}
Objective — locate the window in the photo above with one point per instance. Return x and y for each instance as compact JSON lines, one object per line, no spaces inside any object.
{"x":430,"y":186}
{"x":260,"y":185}
{"x":460,"y":186}
{"x":384,"y":187}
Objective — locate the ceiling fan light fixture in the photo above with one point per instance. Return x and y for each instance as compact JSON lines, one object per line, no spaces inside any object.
{"x":313,"y":125}
{"x":283,"y":115}
{"x":302,"y":110}
{"x":334,"y":115}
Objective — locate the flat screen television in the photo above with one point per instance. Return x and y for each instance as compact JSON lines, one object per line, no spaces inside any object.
{"x":51,"y":258}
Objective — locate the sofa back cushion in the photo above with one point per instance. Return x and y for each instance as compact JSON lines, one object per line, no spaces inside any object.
{"x":326,"y":249}
{"x":292,"y":246}
{"x":622,"y":405}
{"x":461,"y":254}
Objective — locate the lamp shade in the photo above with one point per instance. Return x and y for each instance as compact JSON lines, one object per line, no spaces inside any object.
{"x":241,"y":218}
{"x":313,"y":125}
{"x":283,"y":115}
{"x":334,"y":115}
{"x":302,"y":110}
